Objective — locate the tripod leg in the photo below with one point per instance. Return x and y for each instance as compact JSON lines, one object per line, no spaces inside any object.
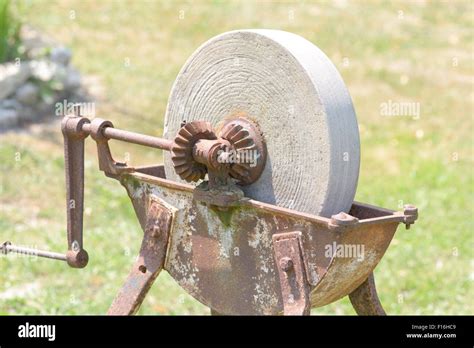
{"x":149,"y":262}
{"x":365,"y":300}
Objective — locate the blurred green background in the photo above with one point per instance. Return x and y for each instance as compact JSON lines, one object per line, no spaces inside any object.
{"x":400,"y":51}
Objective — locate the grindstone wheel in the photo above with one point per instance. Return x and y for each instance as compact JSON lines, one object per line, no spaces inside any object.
{"x":291,"y":90}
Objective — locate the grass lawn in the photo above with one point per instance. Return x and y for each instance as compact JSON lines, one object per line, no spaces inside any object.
{"x":401,"y":52}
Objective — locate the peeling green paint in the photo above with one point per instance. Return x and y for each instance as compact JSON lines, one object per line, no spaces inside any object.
{"x":225,"y":216}
{"x":130,"y":180}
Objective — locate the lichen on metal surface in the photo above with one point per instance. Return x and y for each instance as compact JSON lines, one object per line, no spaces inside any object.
{"x":224,"y":257}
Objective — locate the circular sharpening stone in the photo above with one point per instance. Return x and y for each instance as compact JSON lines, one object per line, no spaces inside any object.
{"x":298,"y":99}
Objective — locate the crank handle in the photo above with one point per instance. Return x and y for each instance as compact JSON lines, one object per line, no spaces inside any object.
{"x":74,"y":137}
{"x":7,"y":248}
{"x":75,"y":130}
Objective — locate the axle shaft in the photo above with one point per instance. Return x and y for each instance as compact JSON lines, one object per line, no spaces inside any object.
{"x":132,"y":137}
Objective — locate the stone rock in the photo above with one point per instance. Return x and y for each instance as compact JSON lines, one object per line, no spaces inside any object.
{"x":60,"y":76}
{"x":8,"y":118}
{"x":61,"y":55}
{"x":27,"y":94}
{"x":27,"y":114}
{"x":66,"y":79}
{"x":45,"y":108}
{"x":10,"y":104}
{"x":72,"y":80}
{"x":12,"y":76}
{"x":22,"y":96}
{"x":42,"y":69}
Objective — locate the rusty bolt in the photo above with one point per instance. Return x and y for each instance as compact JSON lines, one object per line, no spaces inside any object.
{"x":409,"y":209}
{"x":286,"y":264}
{"x":342,"y":219}
{"x":411,"y":214}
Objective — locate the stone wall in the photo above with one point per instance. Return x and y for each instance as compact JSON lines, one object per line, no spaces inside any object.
{"x":31,"y":86}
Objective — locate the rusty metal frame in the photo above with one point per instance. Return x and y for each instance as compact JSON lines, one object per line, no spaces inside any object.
{"x":365,"y":299}
{"x":337,"y":223}
{"x":289,"y":257}
{"x":149,"y":263}
{"x":362,"y":224}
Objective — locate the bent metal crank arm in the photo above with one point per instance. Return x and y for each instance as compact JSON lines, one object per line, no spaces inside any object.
{"x":75,"y":130}
{"x":149,"y":262}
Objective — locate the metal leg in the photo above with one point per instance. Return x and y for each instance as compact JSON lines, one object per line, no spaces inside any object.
{"x":365,"y":300}
{"x":149,"y":262}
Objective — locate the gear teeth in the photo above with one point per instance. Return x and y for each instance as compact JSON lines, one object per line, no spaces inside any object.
{"x":232,"y":131}
{"x":178,"y":161}
{"x":182,"y":151}
{"x":245,"y":143}
{"x":241,"y":134}
{"x":181,"y":140}
{"x":240,"y":139}
{"x":185,"y":133}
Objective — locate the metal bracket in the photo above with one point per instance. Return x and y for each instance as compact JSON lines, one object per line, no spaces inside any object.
{"x":149,"y":263}
{"x":106,"y":162}
{"x":295,"y":288}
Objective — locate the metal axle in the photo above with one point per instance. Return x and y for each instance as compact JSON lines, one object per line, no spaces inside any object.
{"x":132,"y":137}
